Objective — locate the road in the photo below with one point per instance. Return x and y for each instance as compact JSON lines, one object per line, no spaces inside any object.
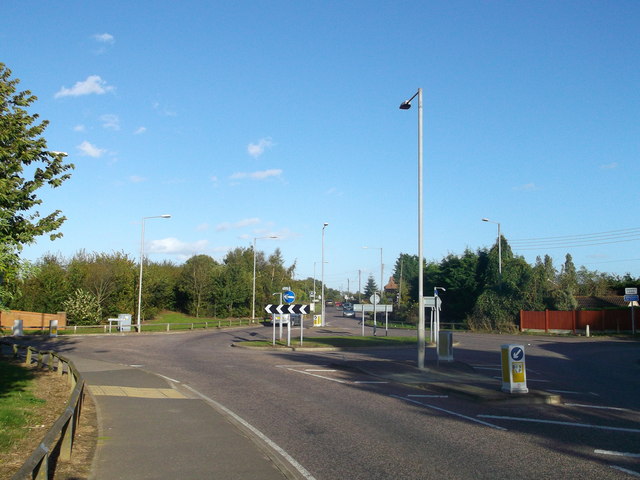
{"x":338,"y":422}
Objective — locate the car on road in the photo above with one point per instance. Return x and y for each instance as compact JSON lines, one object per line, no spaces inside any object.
{"x":347,"y":310}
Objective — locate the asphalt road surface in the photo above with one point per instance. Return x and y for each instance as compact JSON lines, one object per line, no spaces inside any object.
{"x":339,"y":422}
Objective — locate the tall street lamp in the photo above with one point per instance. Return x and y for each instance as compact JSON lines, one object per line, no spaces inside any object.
{"x":322,"y":274}
{"x":406,"y":105}
{"x":381,"y":267}
{"x":253,"y":302}
{"x":141,"y":263}
{"x":499,"y":247}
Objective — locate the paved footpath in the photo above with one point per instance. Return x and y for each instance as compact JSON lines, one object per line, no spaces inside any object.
{"x":150,"y":430}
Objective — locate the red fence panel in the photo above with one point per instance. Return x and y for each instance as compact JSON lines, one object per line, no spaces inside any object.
{"x":601,"y":320}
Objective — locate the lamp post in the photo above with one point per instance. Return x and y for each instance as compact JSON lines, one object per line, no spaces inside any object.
{"x":141,"y":263}
{"x":381,"y":267}
{"x":322,"y":274}
{"x":406,"y":105}
{"x":253,"y":301}
{"x":499,"y":247}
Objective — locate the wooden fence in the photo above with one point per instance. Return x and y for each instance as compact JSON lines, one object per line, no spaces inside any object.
{"x":576,"y":320}
{"x":31,"y":320}
{"x":57,"y":443}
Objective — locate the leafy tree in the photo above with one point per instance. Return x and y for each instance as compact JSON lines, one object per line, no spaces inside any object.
{"x":25,"y":166}
{"x":196,"y":281}
{"x":82,"y":308}
{"x":44,"y":288}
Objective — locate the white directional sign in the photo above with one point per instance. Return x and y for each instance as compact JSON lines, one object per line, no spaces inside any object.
{"x":630,"y":291}
{"x":297,"y":308}
{"x":366,"y":307}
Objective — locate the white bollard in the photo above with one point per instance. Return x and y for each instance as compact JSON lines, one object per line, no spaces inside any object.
{"x":588,"y":335}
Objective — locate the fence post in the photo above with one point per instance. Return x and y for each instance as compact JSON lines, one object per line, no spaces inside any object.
{"x":546,"y":321}
{"x":28,"y":359}
{"x":15,"y":350}
{"x":67,"y":438}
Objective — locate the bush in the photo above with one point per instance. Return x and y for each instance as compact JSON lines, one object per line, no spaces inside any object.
{"x":82,"y":308}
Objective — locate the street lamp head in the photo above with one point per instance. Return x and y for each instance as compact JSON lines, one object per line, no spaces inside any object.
{"x":405,"y":105}
{"x":325,"y":224}
{"x":486,"y":220}
{"x":165,"y":216}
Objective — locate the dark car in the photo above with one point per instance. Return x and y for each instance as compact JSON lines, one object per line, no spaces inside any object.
{"x":347,"y":310}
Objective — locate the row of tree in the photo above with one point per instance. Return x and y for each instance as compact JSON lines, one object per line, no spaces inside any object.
{"x":483,"y":291}
{"x":487,"y":292}
{"x":93,"y":287}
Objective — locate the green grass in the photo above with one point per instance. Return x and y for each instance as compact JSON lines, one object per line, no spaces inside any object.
{"x":16,"y":403}
{"x":340,"y":342}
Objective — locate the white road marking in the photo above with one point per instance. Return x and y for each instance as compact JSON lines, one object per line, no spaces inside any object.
{"x":556,"y":422}
{"x":317,"y":370}
{"x":567,"y":392}
{"x":303,"y":471}
{"x":597,"y":406}
{"x":471,"y":419}
{"x":428,"y":396}
{"x":168,"y":378}
{"x":316,"y":375}
{"x":617,"y":454}
{"x":368,"y":381}
{"x":626,"y":470}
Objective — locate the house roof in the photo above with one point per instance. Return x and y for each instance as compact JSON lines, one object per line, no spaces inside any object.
{"x":391,"y":286}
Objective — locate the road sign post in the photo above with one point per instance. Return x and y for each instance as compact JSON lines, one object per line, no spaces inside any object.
{"x":514,"y":373}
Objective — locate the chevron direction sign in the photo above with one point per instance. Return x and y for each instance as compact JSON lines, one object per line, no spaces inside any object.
{"x":297,"y":308}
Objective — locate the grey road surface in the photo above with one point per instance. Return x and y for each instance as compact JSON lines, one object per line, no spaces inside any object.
{"x":339,"y":422}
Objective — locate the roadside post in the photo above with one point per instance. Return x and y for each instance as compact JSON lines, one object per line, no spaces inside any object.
{"x":445,"y":347}
{"x":367,"y":307}
{"x":284,"y":313}
{"x":53,"y":328}
{"x":514,"y":373}
{"x":631,"y":296}
{"x":17,"y":330}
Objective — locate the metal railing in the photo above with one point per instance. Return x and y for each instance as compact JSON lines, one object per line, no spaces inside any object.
{"x":61,"y":435}
{"x":148,"y":327}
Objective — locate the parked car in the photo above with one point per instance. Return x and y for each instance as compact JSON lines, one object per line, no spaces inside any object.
{"x":347,"y":310}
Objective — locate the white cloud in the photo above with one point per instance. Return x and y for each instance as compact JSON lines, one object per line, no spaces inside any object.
{"x":239,"y":224}
{"x":609,"y":166}
{"x":257,"y":149}
{"x":93,"y":84}
{"x":104,"y":38}
{"x":89,"y":150}
{"x":110,"y":121}
{"x":173,"y":246}
{"x":140,"y":130}
{"x":79,"y":128}
{"x":137,"y":179}
{"x":259,"y":175}
{"x":202,"y":227}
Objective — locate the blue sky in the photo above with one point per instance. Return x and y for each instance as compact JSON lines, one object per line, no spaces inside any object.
{"x":255,"y":118}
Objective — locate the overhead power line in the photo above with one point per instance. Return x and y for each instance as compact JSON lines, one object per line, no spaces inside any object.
{"x":583,"y":240}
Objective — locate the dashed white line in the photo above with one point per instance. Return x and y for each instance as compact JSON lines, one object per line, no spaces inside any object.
{"x":316,"y":375}
{"x":597,"y":406}
{"x":428,"y":396}
{"x":368,"y":381}
{"x":557,"y":422}
{"x":617,"y":454}
{"x":471,"y":419}
{"x":626,"y":470}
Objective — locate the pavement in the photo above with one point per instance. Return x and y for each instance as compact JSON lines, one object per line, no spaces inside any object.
{"x":151,"y":427}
